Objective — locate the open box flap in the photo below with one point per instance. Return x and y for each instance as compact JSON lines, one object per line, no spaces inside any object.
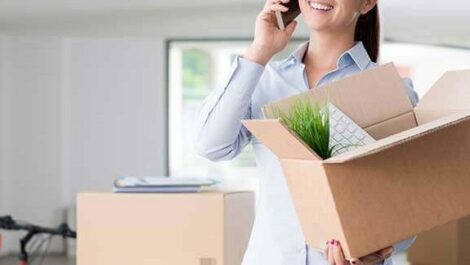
{"x":450,"y":92}
{"x":399,"y":138}
{"x":280,"y":140}
{"x":368,"y":97}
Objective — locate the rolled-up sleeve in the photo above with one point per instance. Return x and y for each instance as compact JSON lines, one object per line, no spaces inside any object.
{"x":219,"y":133}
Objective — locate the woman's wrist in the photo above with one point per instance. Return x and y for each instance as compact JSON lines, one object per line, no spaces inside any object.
{"x":258,"y":54}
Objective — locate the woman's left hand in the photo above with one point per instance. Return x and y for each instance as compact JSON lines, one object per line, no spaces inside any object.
{"x":334,"y":254}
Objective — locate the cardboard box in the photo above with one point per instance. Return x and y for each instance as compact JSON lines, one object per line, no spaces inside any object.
{"x":449,"y":245}
{"x":209,"y":228}
{"x":415,"y":177}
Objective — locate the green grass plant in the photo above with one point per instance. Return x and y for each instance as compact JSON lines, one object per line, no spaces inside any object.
{"x":311,"y":122}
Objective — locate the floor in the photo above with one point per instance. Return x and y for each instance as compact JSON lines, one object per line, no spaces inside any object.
{"x":399,"y":259}
{"x":50,"y":260}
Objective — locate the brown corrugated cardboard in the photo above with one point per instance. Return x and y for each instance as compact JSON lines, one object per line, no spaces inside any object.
{"x":375,"y":96}
{"x":450,"y":92}
{"x":392,"y":126}
{"x":414,"y":178}
{"x":209,"y":228}
{"x":448,"y":244}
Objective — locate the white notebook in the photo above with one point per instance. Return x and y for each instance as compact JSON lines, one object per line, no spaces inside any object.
{"x":345,"y":133}
{"x":160,"y":184}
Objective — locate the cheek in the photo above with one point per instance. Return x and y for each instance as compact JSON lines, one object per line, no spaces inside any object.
{"x":355,"y":17}
{"x":347,"y":14}
{"x":343,"y":15}
{"x":303,"y":6}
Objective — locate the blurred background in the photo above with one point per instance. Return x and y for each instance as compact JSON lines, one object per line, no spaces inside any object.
{"x":95,"y":89}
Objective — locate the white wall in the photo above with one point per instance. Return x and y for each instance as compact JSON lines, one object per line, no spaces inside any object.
{"x":86,"y":102}
{"x":405,"y":22}
{"x":115,"y":113}
{"x":230,"y":21}
{"x":32,"y":129}
{"x":3,"y":116}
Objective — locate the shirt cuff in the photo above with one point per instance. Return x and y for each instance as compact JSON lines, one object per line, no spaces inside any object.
{"x":243,"y":78}
{"x":245,"y":61}
{"x":250,"y":70}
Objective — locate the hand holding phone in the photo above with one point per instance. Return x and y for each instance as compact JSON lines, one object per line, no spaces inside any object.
{"x":269,"y":39}
{"x":284,"y":18}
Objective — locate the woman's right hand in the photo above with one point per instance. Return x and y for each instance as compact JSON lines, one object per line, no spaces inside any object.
{"x":334,"y":254}
{"x":269,"y":39}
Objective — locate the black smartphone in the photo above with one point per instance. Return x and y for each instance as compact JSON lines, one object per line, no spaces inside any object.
{"x":284,"y":18}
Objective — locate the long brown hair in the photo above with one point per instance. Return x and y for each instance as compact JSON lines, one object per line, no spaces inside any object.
{"x":368,"y":31}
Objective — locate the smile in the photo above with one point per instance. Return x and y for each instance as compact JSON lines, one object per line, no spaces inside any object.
{"x":320,"y":6}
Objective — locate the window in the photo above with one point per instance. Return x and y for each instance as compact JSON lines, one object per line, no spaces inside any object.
{"x":195,"y":69}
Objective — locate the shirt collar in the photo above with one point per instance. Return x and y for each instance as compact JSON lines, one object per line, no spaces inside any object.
{"x":357,"y":54}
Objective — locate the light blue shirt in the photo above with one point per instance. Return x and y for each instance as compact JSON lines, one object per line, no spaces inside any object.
{"x":276,"y":237}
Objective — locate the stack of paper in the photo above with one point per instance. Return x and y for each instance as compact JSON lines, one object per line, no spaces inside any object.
{"x":160,"y":184}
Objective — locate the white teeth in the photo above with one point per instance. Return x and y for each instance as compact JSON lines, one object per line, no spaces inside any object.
{"x":319,"y":6}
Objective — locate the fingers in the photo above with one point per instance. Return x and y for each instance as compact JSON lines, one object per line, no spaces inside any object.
{"x":325,"y":249}
{"x":276,"y":7}
{"x":327,"y":253}
{"x":268,"y":14}
{"x":335,"y":256}
{"x":331,"y":259}
{"x":271,"y":7}
{"x":291,"y":28}
{"x":386,"y":252}
{"x":371,"y":259}
{"x":355,"y":261}
{"x":375,"y":258}
{"x":270,"y":2}
{"x":338,"y":254}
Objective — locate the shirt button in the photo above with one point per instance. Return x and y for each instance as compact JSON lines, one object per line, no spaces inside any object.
{"x":302,"y":251}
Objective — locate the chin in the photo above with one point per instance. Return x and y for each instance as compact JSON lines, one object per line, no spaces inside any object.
{"x":318,"y":14}
{"x":316,"y":25}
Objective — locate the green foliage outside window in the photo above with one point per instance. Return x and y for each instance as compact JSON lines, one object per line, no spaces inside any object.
{"x":196,"y":73}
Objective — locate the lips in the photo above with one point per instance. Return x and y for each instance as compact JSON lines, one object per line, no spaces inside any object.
{"x":320,"y":6}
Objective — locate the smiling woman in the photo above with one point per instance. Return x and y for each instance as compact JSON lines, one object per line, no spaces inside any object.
{"x":366,"y":29}
{"x":339,"y":46}
{"x":83,"y":96}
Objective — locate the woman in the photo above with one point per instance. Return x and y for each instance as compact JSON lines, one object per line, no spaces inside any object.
{"x":344,"y":39}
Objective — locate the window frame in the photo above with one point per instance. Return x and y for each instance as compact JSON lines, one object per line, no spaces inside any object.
{"x":168,"y":44}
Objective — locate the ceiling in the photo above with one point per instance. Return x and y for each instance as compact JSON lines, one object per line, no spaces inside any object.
{"x":416,"y":21}
{"x":427,"y":21}
{"x":21,"y":8}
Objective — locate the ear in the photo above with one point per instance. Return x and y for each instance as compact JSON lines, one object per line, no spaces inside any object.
{"x":367,"y":6}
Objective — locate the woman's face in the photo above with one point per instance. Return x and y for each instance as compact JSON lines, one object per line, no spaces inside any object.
{"x":333,"y":15}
